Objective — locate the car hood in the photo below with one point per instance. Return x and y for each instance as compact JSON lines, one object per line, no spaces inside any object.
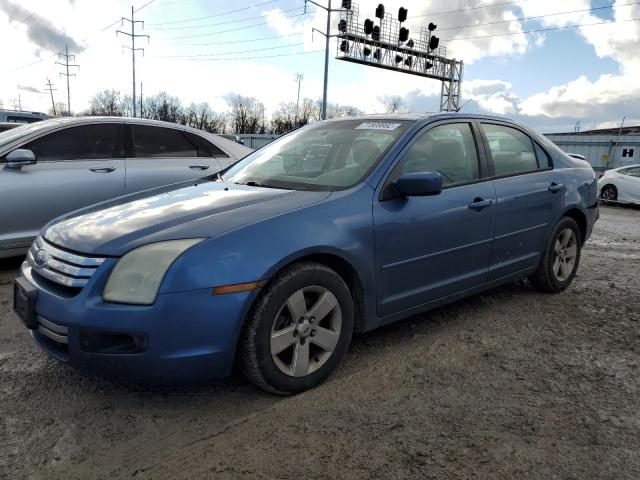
{"x":198,"y":210}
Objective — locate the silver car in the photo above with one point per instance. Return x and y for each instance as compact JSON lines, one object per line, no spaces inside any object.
{"x":59,"y":165}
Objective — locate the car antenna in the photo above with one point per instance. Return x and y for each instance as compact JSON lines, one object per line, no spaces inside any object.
{"x":463,"y":105}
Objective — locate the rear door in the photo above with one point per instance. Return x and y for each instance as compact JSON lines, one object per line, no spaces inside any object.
{"x":159,"y":156}
{"x":530,"y":196}
{"x":76,"y":167}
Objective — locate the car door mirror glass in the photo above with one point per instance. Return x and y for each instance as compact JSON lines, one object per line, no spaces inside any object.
{"x":20,"y":157}
{"x":419,"y":184}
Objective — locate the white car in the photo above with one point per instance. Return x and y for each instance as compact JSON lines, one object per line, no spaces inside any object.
{"x":620,"y":184}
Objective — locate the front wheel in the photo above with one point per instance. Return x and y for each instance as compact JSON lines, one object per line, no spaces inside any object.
{"x":298,"y":330}
{"x":560,"y":259}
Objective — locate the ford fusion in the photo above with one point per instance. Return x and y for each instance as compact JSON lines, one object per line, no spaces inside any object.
{"x":336,"y":228}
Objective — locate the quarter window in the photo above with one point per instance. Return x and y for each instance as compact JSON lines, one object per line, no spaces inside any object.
{"x":158,"y":142}
{"x":88,"y":142}
{"x":512,"y":151}
{"x":449,"y":150}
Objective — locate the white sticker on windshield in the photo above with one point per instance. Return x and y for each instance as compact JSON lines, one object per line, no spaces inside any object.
{"x":378,"y":126}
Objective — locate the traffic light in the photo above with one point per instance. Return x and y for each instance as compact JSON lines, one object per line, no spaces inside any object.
{"x":368,"y":27}
{"x":380,"y":11}
{"x":402,"y":15}
{"x":342,"y":26}
{"x":432,"y":27}
{"x":411,"y":44}
{"x":344,"y":46}
{"x":376,"y":33}
{"x":428,"y":65}
{"x":409,"y":62}
{"x":366,"y":51}
{"x":404,"y":35}
{"x":377,"y":54}
{"x":399,"y":58}
{"x":434,"y":42}
{"x":346,"y":4}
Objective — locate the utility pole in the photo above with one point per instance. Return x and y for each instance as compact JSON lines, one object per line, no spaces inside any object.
{"x":299,"y":78}
{"x":17,"y":103}
{"x":51,"y":89}
{"x":133,"y":49}
{"x":141,"y":112}
{"x":66,"y":64}
{"x":327,"y":35}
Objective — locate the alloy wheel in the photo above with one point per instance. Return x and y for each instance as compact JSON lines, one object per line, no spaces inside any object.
{"x":565,"y":252}
{"x":305,"y":331}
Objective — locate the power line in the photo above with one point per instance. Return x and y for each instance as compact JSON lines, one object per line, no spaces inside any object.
{"x":522,"y":19}
{"x":225,"y":23}
{"x":247,"y":58}
{"x":228,"y":12}
{"x":542,"y":30}
{"x":133,"y":35}
{"x":67,"y":56}
{"x":229,"y":53}
{"x":227,"y":31}
{"x":234,"y":41}
{"x":145,"y":5}
{"x":468,"y":9}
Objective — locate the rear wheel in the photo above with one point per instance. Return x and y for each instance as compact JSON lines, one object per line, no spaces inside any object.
{"x":560,"y":259}
{"x":609,"y":193}
{"x":298,"y":331}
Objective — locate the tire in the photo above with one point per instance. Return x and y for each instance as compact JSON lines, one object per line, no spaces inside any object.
{"x":609,"y":193}
{"x":271,"y":325}
{"x":552,"y":277}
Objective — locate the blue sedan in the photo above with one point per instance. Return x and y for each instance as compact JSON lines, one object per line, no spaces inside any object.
{"x":336,"y":228}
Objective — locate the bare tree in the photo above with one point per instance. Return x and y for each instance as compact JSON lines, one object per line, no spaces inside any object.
{"x":106,"y":103}
{"x":61,"y":109}
{"x":393,"y":104}
{"x":247,"y":114}
{"x":164,"y":107}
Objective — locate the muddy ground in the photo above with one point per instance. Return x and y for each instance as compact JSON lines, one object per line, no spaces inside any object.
{"x":509,"y":384}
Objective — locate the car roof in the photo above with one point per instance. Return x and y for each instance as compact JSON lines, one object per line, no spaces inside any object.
{"x":627,"y":166}
{"x":418,"y":117}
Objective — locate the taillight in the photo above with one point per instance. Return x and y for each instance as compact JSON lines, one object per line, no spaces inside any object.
{"x":601,"y":175}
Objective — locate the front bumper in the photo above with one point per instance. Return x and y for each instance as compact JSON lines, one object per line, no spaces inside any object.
{"x":182,"y":338}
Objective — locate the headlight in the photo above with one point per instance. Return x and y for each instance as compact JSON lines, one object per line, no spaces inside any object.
{"x":138,"y":275}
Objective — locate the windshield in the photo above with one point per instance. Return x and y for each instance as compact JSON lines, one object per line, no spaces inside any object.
{"x":326,"y":156}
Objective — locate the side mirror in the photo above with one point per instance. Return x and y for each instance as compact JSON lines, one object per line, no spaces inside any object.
{"x":19,"y":158}
{"x":419,"y":184}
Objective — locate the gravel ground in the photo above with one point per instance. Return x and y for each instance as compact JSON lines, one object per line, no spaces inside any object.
{"x":508,"y":384}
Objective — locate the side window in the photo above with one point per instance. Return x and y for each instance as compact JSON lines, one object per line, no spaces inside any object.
{"x":512,"y":151}
{"x":158,"y":142}
{"x":204,"y":147}
{"x":88,"y":142}
{"x":544,"y":159}
{"x":634,"y":172}
{"x":447,"y":149}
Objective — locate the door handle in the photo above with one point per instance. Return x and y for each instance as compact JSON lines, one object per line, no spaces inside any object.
{"x":102,"y":169}
{"x":556,"y":187}
{"x":199,"y":167}
{"x":480,"y":204}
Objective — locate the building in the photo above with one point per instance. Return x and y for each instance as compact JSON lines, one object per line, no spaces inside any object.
{"x":603,"y":148}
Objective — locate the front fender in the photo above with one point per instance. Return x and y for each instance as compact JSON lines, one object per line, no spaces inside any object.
{"x":342,"y":226}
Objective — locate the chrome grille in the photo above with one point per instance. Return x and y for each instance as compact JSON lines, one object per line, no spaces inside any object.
{"x":62,"y":267}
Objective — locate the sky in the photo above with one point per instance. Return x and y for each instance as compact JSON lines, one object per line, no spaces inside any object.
{"x":547,"y":63}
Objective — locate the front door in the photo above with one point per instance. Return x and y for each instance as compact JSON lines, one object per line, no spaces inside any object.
{"x":75,"y":167}
{"x":428,"y":248}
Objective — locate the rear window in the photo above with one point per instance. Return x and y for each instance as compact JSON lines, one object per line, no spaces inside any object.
{"x":512,"y":151}
{"x":159,"y":142}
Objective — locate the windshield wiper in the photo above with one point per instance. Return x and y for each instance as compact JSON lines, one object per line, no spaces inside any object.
{"x":252,"y":183}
